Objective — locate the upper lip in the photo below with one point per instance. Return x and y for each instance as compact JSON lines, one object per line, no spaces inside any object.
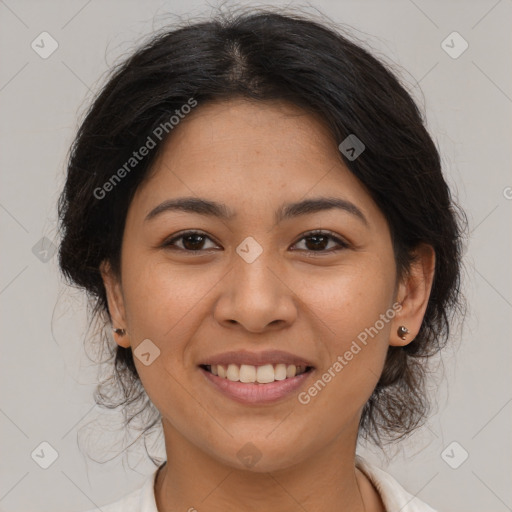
{"x":256,"y":358}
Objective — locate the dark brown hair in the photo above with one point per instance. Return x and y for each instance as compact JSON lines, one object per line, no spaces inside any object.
{"x":266,"y":55}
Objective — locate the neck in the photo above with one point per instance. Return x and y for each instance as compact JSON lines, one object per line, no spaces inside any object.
{"x":328,"y":481}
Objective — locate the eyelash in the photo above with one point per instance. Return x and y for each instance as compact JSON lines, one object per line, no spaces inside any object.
{"x":341,"y":243}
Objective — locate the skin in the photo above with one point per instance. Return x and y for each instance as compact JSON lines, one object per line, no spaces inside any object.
{"x":253,"y":157}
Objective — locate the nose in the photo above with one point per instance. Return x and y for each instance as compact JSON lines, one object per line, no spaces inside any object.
{"x":256,"y":297}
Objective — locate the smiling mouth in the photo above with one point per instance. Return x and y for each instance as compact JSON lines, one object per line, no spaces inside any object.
{"x":262,"y":374}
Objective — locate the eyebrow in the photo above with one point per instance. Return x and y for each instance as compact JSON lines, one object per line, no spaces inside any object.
{"x":210,"y":208}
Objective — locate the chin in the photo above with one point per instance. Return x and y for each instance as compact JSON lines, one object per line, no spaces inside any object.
{"x":261,"y":456}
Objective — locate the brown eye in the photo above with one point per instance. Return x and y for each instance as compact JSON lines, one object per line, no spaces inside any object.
{"x":318,"y":241}
{"x":191,"y":241}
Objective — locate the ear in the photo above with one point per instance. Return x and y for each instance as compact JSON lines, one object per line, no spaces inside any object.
{"x":115,"y":301}
{"x":413,"y":294}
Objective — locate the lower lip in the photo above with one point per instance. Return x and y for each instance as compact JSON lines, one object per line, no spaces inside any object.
{"x":255,"y":393}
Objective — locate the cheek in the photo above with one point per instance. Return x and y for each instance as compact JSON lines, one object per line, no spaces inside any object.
{"x":160,"y":298}
{"x":166,"y":305}
{"x":161,"y":306}
{"x":356,"y":311}
{"x":353,"y":298}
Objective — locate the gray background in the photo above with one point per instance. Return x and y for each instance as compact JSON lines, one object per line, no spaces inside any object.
{"x":47,"y":379}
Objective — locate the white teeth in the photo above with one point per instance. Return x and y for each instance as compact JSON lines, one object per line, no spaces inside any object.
{"x":233,"y":373}
{"x":264,"y":374}
{"x":280,"y":372}
{"x":291,"y":370}
{"x":247,"y":373}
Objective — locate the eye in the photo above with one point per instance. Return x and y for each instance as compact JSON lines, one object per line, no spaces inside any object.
{"x":191,"y":241}
{"x":319,"y":240}
{"x":316,"y":241}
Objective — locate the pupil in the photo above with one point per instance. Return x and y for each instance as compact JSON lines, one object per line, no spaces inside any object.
{"x":196,"y":240}
{"x":316,"y":238}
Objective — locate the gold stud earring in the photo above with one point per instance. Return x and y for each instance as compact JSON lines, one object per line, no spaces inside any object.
{"x":402,"y":332}
{"x":121,"y":332}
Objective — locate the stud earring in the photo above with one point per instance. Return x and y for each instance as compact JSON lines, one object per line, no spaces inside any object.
{"x":402,"y":332}
{"x":121,"y":332}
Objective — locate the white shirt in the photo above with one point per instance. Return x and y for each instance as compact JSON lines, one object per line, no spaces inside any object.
{"x":393,"y":495}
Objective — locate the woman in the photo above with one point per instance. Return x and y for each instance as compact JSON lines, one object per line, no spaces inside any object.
{"x":258,"y":212}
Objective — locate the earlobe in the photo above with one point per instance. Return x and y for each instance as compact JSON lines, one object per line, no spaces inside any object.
{"x":413,"y":295}
{"x":115,"y":302}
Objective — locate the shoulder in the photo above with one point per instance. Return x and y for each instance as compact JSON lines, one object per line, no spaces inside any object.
{"x":393,"y":495}
{"x":141,"y":499}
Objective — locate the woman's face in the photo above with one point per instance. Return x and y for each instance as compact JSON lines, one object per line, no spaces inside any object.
{"x":258,"y":281}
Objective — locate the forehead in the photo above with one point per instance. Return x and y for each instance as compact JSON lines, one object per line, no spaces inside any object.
{"x":250,"y":154}
{"x":241,"y":128}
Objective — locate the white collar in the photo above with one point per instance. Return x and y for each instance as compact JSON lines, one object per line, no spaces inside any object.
{"x":394,"y":497}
